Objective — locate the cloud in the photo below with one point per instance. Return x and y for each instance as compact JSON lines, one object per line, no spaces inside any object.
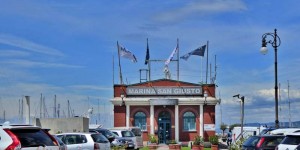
{"x":13,"y":53}
{"x":27,"y":63}
{"x":90,"y":87}
{"x":28,"y":45}
{"x":200,"y":8}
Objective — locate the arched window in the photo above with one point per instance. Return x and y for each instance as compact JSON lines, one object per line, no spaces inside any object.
{"x":189,"y":121}
{"x":140,"y":120}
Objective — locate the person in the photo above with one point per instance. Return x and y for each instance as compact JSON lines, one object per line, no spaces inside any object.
{"x":229,"y":138}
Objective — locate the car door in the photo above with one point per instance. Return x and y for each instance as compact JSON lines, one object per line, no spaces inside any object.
{"x":72,"y":141}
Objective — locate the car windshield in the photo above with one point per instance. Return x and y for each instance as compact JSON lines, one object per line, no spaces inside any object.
{"x":99,"y":138}
{"x":251,"y":141}
{"x":33,"y":137}
{"x":127,"y":134}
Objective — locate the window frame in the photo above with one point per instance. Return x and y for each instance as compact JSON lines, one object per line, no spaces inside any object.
{"x":142,"y":119}
{"x":187,"y":120}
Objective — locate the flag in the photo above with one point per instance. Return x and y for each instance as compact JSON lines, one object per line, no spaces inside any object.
{"x":127,"y":54}
{"x":172,"y":55}
{"x":147,"y":54}
{"x":199,"y":51}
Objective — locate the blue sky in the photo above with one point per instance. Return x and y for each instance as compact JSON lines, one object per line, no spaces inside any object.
{"x":66,"y":48}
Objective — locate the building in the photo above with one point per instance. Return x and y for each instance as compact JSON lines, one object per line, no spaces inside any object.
{"x":168,"y":109}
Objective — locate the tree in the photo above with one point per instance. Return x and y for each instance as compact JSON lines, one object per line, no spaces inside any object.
{"x":223,"y":127}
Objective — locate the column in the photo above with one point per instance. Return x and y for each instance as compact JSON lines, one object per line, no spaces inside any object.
{"x":176,"y":123}
{"x":127,"y":115}
{"x":151,"y":119}
{"x":201,"y":118}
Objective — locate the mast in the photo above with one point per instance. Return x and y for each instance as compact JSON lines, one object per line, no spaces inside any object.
{"x":54,"y":111}
{"x":68,"y":109}
{"x":290,"y":122}
{"x":41,"y":104}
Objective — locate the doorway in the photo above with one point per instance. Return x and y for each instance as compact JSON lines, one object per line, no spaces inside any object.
{"x":164,"y":127}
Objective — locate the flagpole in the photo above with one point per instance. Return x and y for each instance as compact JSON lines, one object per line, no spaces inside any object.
{"x":201,"y":71}
{"x":113,"y":71}
{"x":206,"y":64}
{"x":149,"y":68}
{"x":120,"y":70}
{"x":178,"y":60}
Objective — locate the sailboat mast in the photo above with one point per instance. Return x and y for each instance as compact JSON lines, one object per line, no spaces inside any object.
{"x":290,"y":123}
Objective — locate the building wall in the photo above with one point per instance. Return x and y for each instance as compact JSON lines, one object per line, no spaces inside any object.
{"x":188,"y":135}
{"x":119,"y":116}
{"x":57,"y":125}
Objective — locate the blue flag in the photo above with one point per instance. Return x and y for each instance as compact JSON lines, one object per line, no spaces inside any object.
{"x":199,"y":51}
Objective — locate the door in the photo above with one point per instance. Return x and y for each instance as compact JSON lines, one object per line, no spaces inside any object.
{"x":164,"y":127}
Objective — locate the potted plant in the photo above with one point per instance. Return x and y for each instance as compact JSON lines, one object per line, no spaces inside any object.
{"x":152,"y":142}
{"x":173,"y":145}
{"x":214,"y":140}
{"x":198,"y":143}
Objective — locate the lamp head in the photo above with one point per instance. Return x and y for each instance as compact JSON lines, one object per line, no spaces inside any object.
{"x":205,"y":94}
{"x":264,"y":49}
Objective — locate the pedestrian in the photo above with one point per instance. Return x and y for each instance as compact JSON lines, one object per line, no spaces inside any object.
{"x":229,"y":138}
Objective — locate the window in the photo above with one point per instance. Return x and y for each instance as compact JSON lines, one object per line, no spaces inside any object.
{"x":140,"y":120}
{"x":189,"y":121}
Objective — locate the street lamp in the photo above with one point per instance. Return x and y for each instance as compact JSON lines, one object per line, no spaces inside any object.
{"x":205,"y":96}
{"x":242,"y":115}
{"x":123,"y":102}
{"x":264,"y":50}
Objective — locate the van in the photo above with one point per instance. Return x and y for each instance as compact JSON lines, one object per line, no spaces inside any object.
{"x":133,"y":133}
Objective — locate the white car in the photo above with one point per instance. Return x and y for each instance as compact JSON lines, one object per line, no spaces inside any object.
{"x":84,"y":141}
{"x":138,"y":142}
{"x":290,"y":142}
{"x":25,"y":137}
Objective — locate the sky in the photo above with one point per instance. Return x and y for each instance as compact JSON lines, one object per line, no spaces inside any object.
{"x":69,"y":49}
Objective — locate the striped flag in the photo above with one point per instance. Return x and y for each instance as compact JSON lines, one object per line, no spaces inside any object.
{"x":127,"y":54}
{"x":172,"y":55}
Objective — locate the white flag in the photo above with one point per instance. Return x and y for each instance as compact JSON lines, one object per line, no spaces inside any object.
{"x":127,"y":54}
{"x":172,"y":55}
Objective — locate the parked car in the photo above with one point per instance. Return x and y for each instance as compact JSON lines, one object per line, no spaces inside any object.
{"x":122,"y":142}
{"x":61,"y":144}
{"x":262,"y":142}
{"x":90,"y":141}
{"x":107,"y":133}
{"x":19,"y":137}
{"x":290,"y":142}
{"x":129,"y":135}
{"x":284,"y":131}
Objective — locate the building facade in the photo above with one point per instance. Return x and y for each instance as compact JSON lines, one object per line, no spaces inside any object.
{"x":168,"y":109}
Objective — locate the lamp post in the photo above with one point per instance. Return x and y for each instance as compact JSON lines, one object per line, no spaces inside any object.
{"x":242,"y":112}
{"x":264,"y":50}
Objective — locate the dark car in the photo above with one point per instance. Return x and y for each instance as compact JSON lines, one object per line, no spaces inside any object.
{"x":107,"y":133}
{"x":262,"y":142}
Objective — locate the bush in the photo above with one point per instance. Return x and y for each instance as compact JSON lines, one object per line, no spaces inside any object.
{"x":214,"y":140}
{"x":198,"y":140}
{"x":152,"y":138}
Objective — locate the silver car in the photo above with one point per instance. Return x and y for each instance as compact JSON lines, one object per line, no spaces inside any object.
{"x":84,"y":141}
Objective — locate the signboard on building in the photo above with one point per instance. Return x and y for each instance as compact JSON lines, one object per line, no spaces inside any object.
{"x":209,"y":127}
{"x":159,"y":90}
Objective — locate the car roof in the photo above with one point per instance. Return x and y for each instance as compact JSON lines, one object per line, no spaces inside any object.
{"x":82,"y":133}
{"x":293,"y":134}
